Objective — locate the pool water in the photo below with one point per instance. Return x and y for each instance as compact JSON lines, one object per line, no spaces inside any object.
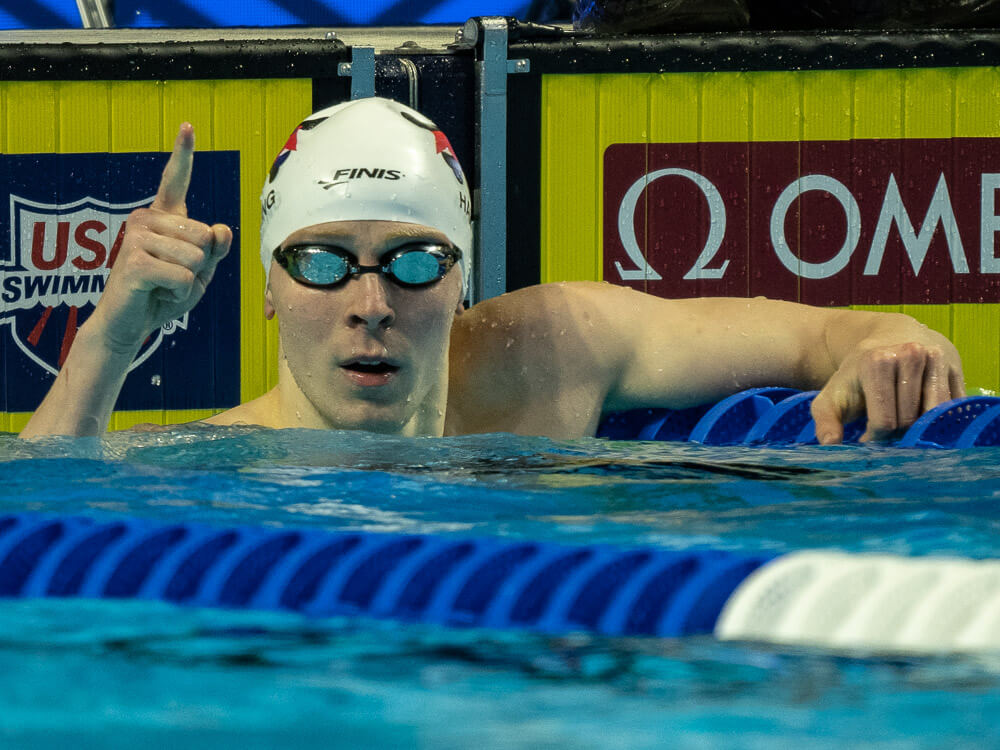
{"x":115,"y":674}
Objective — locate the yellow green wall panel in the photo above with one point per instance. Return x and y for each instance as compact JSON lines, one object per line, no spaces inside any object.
{"x":253,"y":117}
{"x":584,"y":114}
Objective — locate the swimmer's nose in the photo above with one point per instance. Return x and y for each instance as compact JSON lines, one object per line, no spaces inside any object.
{"x":369,"y":303}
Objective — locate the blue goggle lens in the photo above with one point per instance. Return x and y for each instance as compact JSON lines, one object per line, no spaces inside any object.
{"x":416,"y":267}
{"x":322,"y":267}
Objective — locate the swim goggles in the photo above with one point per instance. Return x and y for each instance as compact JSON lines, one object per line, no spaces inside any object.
{"x":414,"y":264}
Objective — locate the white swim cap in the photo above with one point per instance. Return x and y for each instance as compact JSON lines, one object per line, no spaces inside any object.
{"x":367,"y":159}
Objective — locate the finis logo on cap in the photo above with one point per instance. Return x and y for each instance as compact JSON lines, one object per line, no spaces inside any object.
{"x":340,"y":176}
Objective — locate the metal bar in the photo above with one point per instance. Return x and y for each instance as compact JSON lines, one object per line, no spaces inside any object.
{"x":361,"y":70}
{"x":413,"y":78}
{"x":386,"y":39}
{"x":94,"y":14}
{"x":490,"y":268}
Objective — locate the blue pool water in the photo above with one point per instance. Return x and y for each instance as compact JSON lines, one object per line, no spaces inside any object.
{"x":114,"y":674}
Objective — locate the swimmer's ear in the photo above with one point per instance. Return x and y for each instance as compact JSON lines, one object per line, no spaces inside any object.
{"x":460,"y":308}
{"x":269,"y":310}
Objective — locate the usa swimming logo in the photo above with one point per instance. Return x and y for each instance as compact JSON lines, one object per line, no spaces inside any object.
{"x":59,"y":260}
{"x":62,"y":225}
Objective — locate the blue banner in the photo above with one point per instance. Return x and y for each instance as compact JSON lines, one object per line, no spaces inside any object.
{"x":63,"y":232}
{"x":40,"y":14}
{"x":201,"y":13}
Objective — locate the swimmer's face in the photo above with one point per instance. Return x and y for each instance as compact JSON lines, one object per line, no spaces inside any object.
{"x":368,"y":353}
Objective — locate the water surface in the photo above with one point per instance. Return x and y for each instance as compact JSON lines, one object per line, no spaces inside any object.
{"x":120,"y":673}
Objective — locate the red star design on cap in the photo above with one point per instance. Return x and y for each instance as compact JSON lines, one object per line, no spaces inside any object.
{"x":441,"y":142}
{"x":293,"y":140}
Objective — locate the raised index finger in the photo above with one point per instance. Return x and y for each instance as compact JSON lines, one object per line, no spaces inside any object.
{"x":177,"y":174}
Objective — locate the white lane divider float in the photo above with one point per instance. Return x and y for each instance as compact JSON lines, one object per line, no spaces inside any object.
{"x":874,"y":603}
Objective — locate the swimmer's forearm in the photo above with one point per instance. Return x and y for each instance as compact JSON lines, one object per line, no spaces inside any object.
{"x":83,"y":395}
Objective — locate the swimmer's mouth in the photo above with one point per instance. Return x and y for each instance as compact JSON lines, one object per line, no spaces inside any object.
{"x":371,"y":366}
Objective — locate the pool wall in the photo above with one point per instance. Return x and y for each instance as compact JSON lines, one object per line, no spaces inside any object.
{"x":850,"y":170}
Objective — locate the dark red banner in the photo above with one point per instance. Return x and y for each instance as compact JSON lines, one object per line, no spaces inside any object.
{"x":823,"y":222}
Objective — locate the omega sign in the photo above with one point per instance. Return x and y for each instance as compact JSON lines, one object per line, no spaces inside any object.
{"x":827,"y":222}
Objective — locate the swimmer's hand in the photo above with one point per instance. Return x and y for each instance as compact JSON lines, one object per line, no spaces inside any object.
{"x":893,"y":384}
{"x":166,"y":260}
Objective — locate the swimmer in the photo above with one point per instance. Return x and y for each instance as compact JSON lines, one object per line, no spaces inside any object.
{"x":366,"y":239}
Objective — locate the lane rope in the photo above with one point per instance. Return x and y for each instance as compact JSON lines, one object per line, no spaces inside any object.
{"x":780,"y":416}
{"x":488,"y":582}
{"x":835,"y":600}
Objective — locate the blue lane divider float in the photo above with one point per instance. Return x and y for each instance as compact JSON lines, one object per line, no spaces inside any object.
{"x":821,"y":598}
{"x":781,"y":416}
{"x":491,"y":583}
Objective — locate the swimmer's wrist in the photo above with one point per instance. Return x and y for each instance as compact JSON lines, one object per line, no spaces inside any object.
{"x":84,"y":393}
{"x":95,"y":332}
{"x":851,"y":333}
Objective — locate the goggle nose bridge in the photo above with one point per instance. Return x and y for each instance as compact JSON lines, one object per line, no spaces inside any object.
{"x":354,"y":270}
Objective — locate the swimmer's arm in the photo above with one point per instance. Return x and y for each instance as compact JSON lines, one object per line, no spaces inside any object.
{"x":678,"y":353}
{"x":83,"y":395}
{"x":165,"y":264}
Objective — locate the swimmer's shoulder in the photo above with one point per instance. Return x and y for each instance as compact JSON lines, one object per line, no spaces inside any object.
{"x":537,"y":307}
{"x":519,"y":362}
{"x":515,"y":319}
{"x":494,"y":331}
